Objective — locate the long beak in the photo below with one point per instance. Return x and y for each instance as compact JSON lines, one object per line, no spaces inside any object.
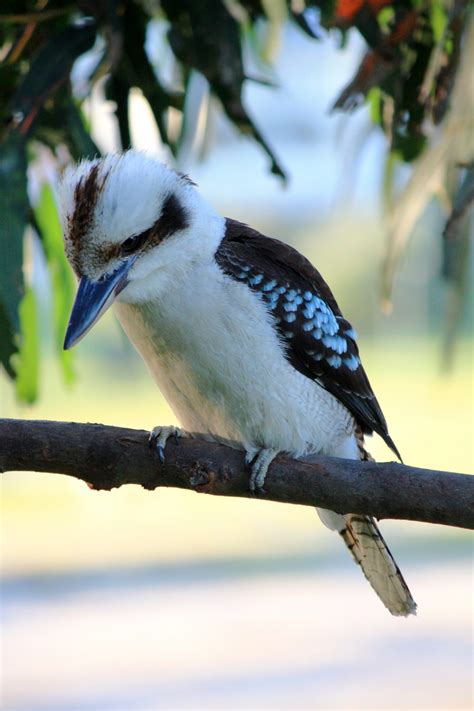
{"x":93,"y":298}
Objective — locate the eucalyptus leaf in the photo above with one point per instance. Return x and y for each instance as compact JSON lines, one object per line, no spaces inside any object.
{"x":135,"y":70}
{"x":62,"y":280}
{"x":80,"y":141}
{"x":8,"y":346}
{"x":374,"y":101}
{"x":416,"y":70}
{"x":217,"y":55}
{"x":117,"y":90}
{"x":61,"y":122}
{"x":14,"y":219}
{"x":27,"y":359}
{"x":49,"y":69}
{"x":439,"y":18}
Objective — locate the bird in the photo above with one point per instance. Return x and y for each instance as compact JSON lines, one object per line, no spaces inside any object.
{"x":241,"y":333}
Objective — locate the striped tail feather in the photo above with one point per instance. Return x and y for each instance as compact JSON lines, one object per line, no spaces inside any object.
{"x":364,"y":540}
{"x":369,"y":550}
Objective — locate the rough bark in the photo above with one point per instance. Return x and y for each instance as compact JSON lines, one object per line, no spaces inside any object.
{"x":108,"y":457}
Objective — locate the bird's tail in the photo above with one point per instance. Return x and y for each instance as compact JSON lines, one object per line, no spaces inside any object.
{"x":369,"y":550}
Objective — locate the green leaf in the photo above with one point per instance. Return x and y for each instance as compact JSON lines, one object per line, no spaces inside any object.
{"x":374,"y":100}
{"x":61,"y":121}
{"x":438,"y":18}
{"x":14,"y":218}
{"x":117,"y":90}
{"x":7,"y":343}
{"x":49,"y":70}
{"x":27,"y":360}
{"x":80,"y":141}
{"x":388,"y":183}
{"x":62,"y":280}
{"x":217,"y":54}
{"x":385,"y":19}
{"x":408,"y":145}
{"x":135,"y":69}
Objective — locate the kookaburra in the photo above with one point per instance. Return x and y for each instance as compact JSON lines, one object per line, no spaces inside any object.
{"x":241,"y":333}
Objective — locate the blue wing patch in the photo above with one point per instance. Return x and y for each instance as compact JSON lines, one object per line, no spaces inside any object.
{"x":319,"y":342}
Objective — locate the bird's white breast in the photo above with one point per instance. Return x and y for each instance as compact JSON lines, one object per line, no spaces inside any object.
{"x":216,"y":357}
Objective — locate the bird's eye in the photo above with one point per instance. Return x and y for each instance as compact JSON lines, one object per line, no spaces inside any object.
{"x":132,"y":244}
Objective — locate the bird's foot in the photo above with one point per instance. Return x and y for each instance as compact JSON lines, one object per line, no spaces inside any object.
{"x":259,"y":468}
{"x":160,"y":435}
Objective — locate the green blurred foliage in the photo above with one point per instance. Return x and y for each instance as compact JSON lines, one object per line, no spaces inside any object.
{"x":14,"y":211}
{"x":407,"y":74}
{"x":26,"y":361}
{"x":63,"y":285}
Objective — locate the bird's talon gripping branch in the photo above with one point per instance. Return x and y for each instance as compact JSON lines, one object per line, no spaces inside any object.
{"x":259,"y":469}
{"x":160,"y":435}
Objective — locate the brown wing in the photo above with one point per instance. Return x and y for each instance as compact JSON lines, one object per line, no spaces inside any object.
{"x":319,"y":342}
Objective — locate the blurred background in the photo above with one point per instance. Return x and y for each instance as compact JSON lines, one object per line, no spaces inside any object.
{"x":133,"y":599}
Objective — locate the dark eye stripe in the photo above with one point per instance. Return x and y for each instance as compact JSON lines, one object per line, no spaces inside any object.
{"x":172,"y":219}
{"x":133,"y":244}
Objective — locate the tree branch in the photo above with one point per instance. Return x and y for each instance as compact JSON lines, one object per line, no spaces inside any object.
{"x":109,"y":457}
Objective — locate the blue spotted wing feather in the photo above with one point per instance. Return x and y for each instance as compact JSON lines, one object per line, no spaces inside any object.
{"x":319,"y":341}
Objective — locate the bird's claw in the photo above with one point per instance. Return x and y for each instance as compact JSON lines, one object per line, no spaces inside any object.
{"x":160,"y":435}
{"x":259,"y":468}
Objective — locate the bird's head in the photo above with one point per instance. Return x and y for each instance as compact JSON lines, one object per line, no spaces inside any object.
{"x":131,"y":226}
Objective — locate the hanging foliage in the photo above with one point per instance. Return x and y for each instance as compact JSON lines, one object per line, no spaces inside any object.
{"x":408,"y":74}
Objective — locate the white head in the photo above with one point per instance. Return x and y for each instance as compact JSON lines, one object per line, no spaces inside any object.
{"x":131,"y":225}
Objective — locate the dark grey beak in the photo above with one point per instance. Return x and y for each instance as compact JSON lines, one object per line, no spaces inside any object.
{"x":93,"y":298}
